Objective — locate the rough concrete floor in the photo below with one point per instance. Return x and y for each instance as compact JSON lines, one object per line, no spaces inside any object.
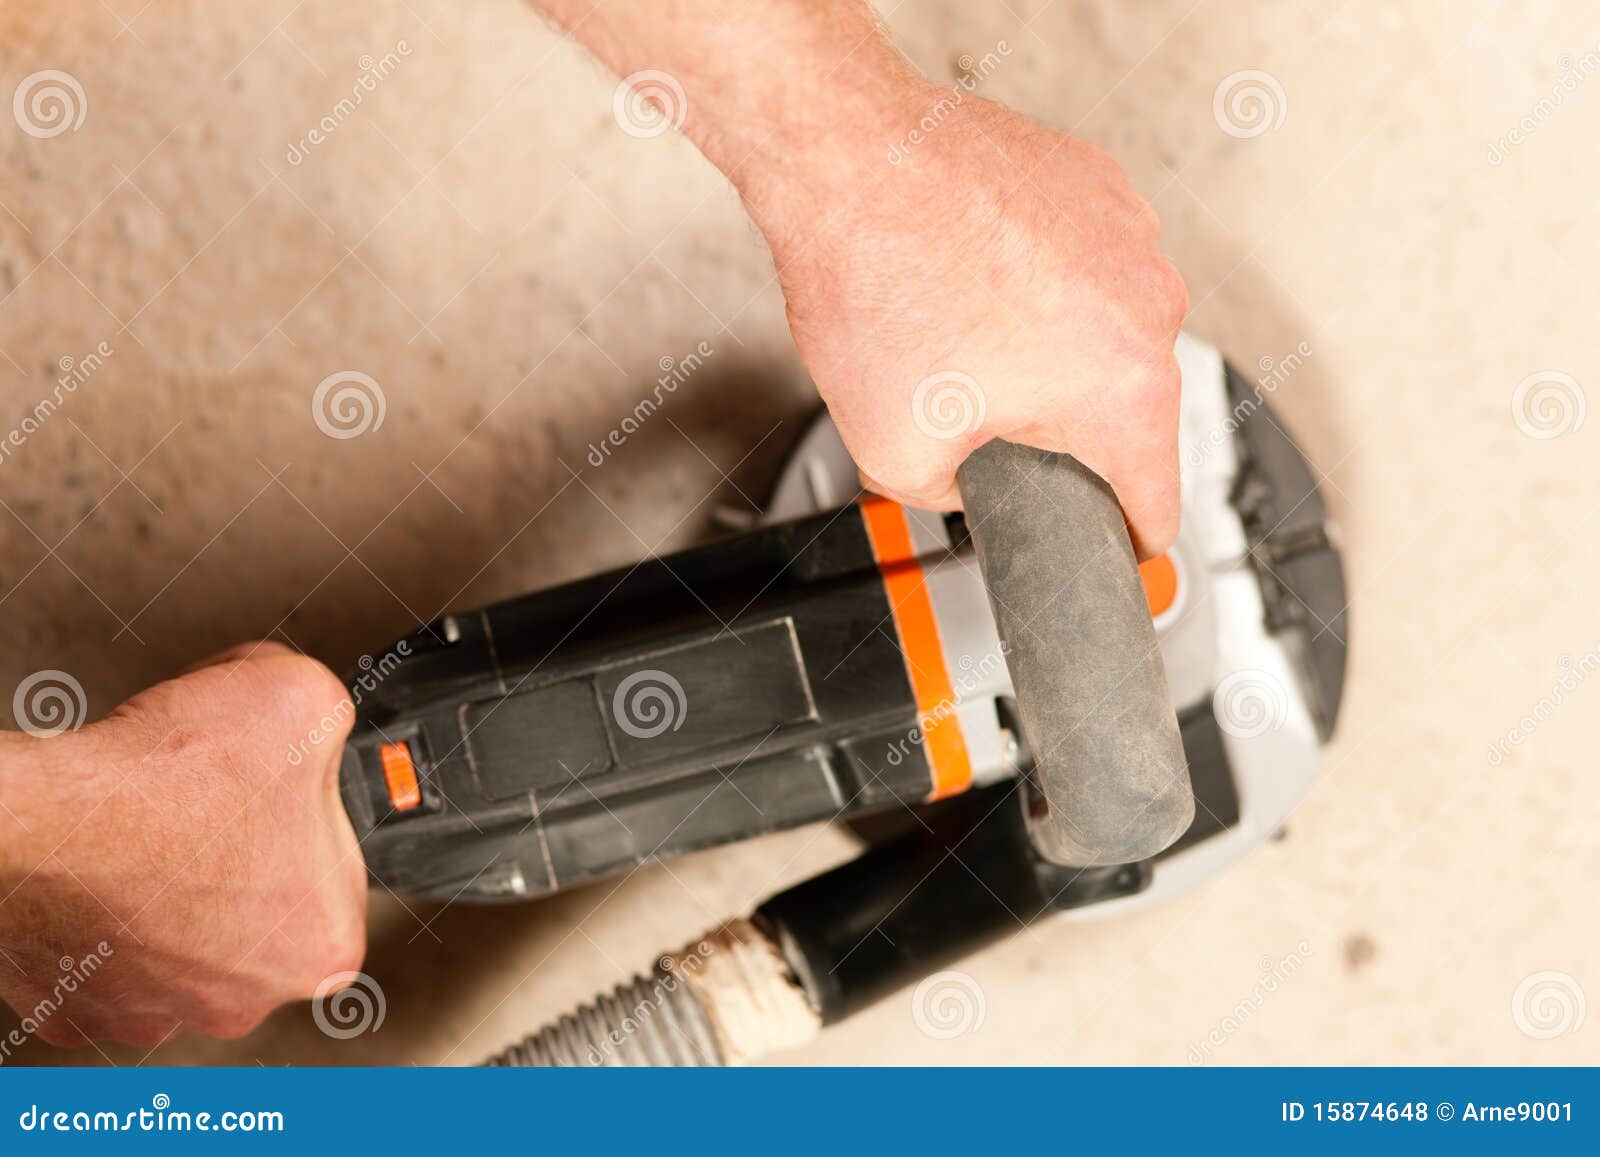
{"x":481,"y":240}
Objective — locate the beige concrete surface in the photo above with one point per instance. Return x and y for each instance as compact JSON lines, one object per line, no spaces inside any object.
{"x":482,"y":240}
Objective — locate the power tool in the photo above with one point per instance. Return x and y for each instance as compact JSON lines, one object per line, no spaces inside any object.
{"x":1017,"y":719}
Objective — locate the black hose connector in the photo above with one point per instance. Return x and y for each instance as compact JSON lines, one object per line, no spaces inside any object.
{"x":924,"y":900}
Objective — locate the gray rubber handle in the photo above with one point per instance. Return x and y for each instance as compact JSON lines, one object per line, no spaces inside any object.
{"x":1082,"y":651}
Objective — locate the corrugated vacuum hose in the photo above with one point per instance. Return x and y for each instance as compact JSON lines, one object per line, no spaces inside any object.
{"x":725,"y":999}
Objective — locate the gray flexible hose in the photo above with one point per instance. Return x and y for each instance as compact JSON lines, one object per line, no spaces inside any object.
{"x":655,"y":1021}
{"x":727,"y":998}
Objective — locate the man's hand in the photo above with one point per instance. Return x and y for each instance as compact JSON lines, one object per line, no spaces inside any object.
{"x":954,"y":272}
{"x":197,"y":833}
{"x":1001,"y":280}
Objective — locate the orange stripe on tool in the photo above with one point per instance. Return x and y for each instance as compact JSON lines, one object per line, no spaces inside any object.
{"x":903,"y":579}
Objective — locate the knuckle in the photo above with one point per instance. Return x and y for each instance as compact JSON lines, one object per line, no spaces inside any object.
{"x":312,"y":698}
{"x":308,"y":679}
{"x":151,"y":714}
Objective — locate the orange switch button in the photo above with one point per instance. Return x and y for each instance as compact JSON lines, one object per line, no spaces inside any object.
{"x":400,"y":775}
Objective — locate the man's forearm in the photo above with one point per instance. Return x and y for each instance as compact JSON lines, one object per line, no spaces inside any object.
{"x":930,"y":247}
{"x":778,"y":94}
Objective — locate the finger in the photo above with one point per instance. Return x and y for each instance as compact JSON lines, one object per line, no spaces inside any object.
{"x":1143,"y":463}
{"x":1150,"y":505}
{"x":312,"y":710}
{"x":231,"y":1025}
{"x":139,"y":1030}
{"x":238,"y":653}
{"x":144,"y":1032}
{"x":1145,"y":482}
{"x":346,"y":862}
{"x":901,"y":461}
{"x":948,"y":498}
{"x":63,"y":1032}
